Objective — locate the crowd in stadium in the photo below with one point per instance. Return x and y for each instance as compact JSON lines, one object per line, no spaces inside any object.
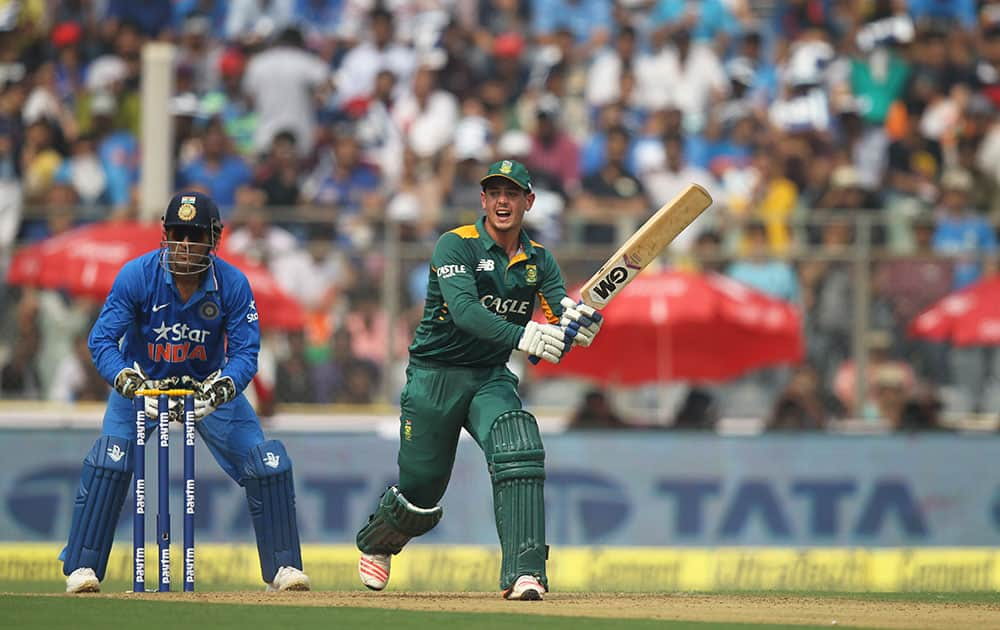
{"x":314,"y":122}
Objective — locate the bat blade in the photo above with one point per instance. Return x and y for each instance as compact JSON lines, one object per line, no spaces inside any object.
{"x":645,"y":246}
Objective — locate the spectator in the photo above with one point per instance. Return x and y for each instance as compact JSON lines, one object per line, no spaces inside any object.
{"x":710,"y":21}
{"x":351,"y":188}
{"x":706,"y":254}
{"x":914,"y":162}
{"x":84,"y":171}
{"x":889,"y":382}
{"x":586,"y":21}
{"x":381,"y":140}
{"x":345,"y":377}
{"x":294,"y":382}
{"x":611,"y":196}
{"x":687,"y":75}
{"x":698,"y":411}
{"x":356,"y":76}
{"x":553,"y":151}
{"x":804,"y":405}
{"x":228,"y":102}
{"x":828,"y":296}
{"x":281,"y":176}
{"x":907,"y":285}
{"x":70,"y":66}
{"x":846,"y":192}
{"x":921,"y":412}
{"x":368,"y":325}
{"x":199,"y":52}
{"x":595,"y":412}
{"x":664,"y":173}
{"x":19,"y":376}
{"x":962,"y":233}
{"x":285,"y":83}
{"x":76,"y":379}
{"x":605,"y":72}
{"x":426,"y":115}
{"x":118,"y":150}
{"x":261,"y":16}
{"x":465,"y":62}
{"x":262,"y":242}
{"x":760,"y":270}
{"x":218,"y":170}
{"x":40,"y":160}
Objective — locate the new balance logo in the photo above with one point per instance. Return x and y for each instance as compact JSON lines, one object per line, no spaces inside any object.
{"x":486,"y":265}
{"x":160,"y":307}
{"x":116,"y":453}
{"x":271,"y":460}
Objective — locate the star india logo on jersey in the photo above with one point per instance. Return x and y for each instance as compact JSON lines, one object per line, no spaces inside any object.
{"x":177,"y":343}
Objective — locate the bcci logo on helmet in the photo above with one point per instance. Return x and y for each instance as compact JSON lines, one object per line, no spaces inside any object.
{"x":186,"y":212}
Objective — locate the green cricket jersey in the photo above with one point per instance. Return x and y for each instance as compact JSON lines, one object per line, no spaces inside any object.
{"x":478,"y":300}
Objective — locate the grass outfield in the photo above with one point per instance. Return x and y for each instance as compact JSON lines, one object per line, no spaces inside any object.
{"x":23,"y":611}
{"x":110,"y":586}
{"x":240,"y":610}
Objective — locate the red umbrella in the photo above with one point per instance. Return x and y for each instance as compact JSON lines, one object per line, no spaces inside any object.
{"x":674,"y":325}
{"x":85,"y":261}
{"x":968,"y":317}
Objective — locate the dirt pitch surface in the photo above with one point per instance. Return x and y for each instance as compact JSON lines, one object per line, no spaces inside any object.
{"x":763,"y":609}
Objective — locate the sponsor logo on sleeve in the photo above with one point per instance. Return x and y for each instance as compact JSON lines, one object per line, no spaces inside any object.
{"x":450,"y":271}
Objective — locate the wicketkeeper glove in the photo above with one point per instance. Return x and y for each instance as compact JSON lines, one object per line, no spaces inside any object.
{"x":129,"y":380}
{"x":215,"y":391}
{"x":581,"y":322}
{"x":546,"y":341}
{"x":176,"y":405}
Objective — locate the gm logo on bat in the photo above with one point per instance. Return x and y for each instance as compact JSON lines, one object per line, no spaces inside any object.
{"x":617,"y":277}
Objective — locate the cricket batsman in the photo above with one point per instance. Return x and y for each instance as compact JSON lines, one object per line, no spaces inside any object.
{"x":182,"y":317}
{"x":481,"y":295}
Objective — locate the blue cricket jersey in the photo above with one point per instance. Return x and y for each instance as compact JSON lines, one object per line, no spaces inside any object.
{"x":216,"y":328}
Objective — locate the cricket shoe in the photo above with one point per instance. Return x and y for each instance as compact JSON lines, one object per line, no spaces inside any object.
{"x":526,"y":587}
{"x":289,"y":579}
{"x":374,"y":570}
{"x":83,"y":580}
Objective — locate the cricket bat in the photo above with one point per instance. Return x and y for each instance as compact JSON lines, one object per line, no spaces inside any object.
{"x":643,"y":247}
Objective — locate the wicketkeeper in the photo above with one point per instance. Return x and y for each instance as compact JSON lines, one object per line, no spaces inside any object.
{"x":484,"y":279}
{"x":182,"y":317}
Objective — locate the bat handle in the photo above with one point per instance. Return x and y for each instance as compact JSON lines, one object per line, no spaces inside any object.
{"x":534,"y":360}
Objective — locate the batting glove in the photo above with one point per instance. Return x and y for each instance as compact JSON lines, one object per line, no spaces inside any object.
{"x":545,"y":341}
{"x":129,"y":380}
{"x":210,"y":394}
{"x":581,"y":322}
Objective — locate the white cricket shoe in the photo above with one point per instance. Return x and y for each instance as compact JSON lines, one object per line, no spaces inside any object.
{"x":374,"y":570}
{"x":526,"y":587}
{"x":83,"y":580}
{"x":289,"y":579}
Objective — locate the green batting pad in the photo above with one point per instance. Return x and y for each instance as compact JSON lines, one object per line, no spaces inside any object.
{"x":395,"y":522}
{"x":517,"y":468}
